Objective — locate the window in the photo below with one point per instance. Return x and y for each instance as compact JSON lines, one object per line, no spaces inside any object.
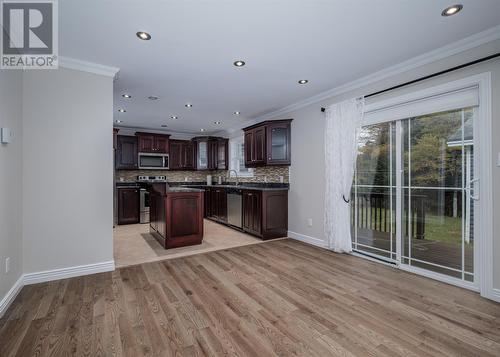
{"x":237,"y":157}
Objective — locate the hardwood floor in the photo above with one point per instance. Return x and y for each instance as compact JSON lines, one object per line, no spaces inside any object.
{"x":280,"y":298}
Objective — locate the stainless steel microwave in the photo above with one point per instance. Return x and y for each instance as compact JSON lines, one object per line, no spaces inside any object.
{"x":153,"y":161}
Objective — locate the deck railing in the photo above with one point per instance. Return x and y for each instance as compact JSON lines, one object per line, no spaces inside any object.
{"x":372,"y":211}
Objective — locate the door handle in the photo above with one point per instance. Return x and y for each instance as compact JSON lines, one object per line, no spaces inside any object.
{"x":472,"y":188}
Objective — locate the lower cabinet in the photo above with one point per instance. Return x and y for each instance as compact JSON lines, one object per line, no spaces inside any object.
{"x":252,"y":211}
{"x":128,"y":205}
{"x":265,"y":213}
{"x":216,"y":204}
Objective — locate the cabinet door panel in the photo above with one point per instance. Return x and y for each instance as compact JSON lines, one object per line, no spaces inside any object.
{"x":248,"y":147}
{"x":146,"y":143}
{"x":222,"y":154}
{"x":161,"y":144}
{"x":188,"y":156}
{"x":128,"y":205}
{"x":252,"y":212}
{"x":202,"y":155}
{"x":175,"y":156}
{"x":278,"y":144}
{"x":126,"y":155}
{"x":259,"y":139}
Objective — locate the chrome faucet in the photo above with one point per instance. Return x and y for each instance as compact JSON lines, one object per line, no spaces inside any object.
{"x":235,"y":174}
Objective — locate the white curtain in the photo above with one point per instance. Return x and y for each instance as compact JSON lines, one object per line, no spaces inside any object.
{"x":343,"y":121}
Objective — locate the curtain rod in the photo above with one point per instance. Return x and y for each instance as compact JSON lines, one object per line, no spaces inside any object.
{"x":431,"y":75}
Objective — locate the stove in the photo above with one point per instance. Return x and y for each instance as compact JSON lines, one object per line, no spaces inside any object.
{"x":144,"y":200}
{"x":151,"y":179}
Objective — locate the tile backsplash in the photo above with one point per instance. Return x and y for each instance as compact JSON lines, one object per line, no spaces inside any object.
{"x":261,"y":174}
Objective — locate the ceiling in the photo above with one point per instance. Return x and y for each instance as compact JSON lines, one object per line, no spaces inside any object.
{"x":195,"y":42}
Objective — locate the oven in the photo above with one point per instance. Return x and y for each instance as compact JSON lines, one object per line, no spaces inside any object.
{"x":144,"y":205}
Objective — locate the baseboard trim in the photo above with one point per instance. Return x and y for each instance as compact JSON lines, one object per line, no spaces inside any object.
{"x":307,"y":239}
{"x":70,"y":272}
{"x":10,"y":296}
{"x":492,"y":294}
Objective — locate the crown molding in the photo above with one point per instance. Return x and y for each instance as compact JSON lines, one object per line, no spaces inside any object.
{"x":449,"y":50}
{"x":130,"y":130}
{"x":94,"y":68}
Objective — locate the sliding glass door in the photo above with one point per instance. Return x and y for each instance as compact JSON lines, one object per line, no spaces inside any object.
{"x":423,"y":217}
{"x":374,"y":192}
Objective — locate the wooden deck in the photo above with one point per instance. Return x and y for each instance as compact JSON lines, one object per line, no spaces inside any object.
{"x":280,"y":298}
{"x":424,"y":249}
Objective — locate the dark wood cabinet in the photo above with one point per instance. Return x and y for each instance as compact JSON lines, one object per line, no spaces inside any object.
{"x":115,"y":139}
{"x":265,"y":213}
{"x":128,"y":205}
{"x":210,"y":153}
{"x":153,"y":143}
{"x":219,"y":204}
{"x":216,"y":204}
{"x":268,"y":143}
{"x":222,"y":154}
{"x":181,"y":155}
{"x":176,"y":217}
{"x":126,"y":154}
{"x":252,"y":211}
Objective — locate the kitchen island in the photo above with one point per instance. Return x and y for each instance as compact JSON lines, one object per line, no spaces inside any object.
{"x":176,"y":215}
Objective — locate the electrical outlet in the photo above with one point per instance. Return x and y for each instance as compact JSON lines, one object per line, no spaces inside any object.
{"x":281,"y":179}
{"x":498,"y":160}
{"x":310,"y":222}
{"x":185,"y":179}
{"x":7,"y":265}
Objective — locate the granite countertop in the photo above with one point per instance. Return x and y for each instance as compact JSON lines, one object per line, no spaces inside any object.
{"x":243,"y":186}
{"x":184,"y":189}
{"x":200,"y":186}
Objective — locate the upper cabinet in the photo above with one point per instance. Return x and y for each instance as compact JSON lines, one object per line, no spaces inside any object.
{"x":181,"y":155}
{"x":126,"y":152}
{"x":153,"y":143}
{"x":268,"y":143}
{"x":222,"y":154}
{"x":211,"y":153}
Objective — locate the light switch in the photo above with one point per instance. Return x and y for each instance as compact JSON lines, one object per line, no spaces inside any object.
{"x":498,"y":160}
{"x":5,"y":135}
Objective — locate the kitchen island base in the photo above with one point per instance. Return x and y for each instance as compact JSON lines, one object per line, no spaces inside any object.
{"x":176,"y":216}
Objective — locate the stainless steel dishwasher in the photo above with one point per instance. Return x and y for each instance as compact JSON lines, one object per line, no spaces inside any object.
{"x":234,"y":207}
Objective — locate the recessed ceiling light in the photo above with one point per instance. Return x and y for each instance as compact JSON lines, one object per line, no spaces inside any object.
{"x":217,"y":122}
{"x":122,"y":110}
{"x":126,"y":96}
{"x":173,"y":117}
{"x":143,"y":35}
{"x":188,"y":105}
{"x":153,"y":97}
{"x":202,"y":129}
{"x":164,"y":126}
{"x":236,"y":113}
{"x":118,"y":121}
{"x":239,"y":63}
{"x":303,"y":81}
{"x":452,"y":10}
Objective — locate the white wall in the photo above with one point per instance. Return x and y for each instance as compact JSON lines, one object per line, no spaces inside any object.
{"x":10,"y":183}
{"x":307,"y":170}
{"x":67,"y":169}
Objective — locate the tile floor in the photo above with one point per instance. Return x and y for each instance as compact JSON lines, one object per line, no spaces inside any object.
{"x":134,"y":245}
